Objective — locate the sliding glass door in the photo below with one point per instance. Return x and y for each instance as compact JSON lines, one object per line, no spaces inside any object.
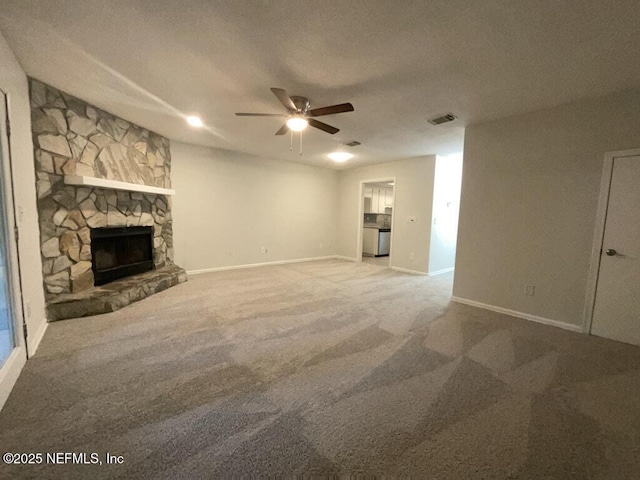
{"x":7,"y":337}
{"x":12,"y":343}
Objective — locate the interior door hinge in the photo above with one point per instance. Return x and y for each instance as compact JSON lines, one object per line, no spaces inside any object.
{"x":25,"y":331}
{"x":8,"y":127}
{"x":16,"y":233}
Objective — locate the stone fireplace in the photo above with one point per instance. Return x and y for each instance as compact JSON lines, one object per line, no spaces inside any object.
{"x":99,"y":177}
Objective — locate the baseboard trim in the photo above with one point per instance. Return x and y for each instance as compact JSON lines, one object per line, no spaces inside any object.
{"x":517,"y":314}
{"x":34,"y":339}
{"x":348,"y":259}
{"x":10,"y":372}
{"x":406,"y":270}
{"x":255,"y":265}
{"x":440,"y":272}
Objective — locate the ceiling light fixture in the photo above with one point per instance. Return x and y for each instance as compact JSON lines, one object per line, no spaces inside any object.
{"x":297,"y":123}
{"x":340,"y":156}
{"x":194,"y":121}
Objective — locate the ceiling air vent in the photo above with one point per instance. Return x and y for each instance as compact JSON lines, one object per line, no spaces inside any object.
{"x":439,"y":120}
{"x":352,"y":143}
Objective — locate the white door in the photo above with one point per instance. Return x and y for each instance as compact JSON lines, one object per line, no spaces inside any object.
{"x":616,"y":312}
{"x":12,"y":345}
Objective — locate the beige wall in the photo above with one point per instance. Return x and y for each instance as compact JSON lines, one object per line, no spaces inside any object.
{"x":529,"y":197}
{"x":228,"y":205}
{"x":13,"y":82}
{"x":413,"y":197}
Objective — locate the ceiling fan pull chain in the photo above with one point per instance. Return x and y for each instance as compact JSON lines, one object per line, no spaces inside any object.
{"x":291,"y":142}
{"x":300,"y":143}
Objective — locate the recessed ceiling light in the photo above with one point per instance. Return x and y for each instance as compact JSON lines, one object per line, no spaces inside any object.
{"x":340,"y":156}
{"x":194,"y":121}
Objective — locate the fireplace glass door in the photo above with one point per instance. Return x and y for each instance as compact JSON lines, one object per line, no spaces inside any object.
{"x":120,"y":252}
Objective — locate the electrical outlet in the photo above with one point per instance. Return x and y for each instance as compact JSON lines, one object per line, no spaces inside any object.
{"x":530,"y":290}
{"x":263,"y":250}
{"x":321,"y":245}
{"x":232,"y":253}
{"x":412,"y":256}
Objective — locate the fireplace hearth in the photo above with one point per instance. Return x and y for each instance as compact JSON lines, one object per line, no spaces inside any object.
{"x":120,"y":252}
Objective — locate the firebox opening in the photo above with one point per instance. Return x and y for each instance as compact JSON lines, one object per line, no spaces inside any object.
{"x":120,"y":252}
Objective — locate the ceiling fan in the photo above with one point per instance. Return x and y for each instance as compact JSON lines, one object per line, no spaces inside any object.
{"x":300,"y":115}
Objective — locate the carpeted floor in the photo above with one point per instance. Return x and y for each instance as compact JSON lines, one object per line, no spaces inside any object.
{"x":379,"y":261}
{"x":324,"y":368}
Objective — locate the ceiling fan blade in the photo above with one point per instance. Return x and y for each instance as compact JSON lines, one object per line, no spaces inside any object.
{"x":260,"y":115}
{"x":284,"y":129}
{"x":284,"y":99}
{"x":343,"y":107}
{"x":323,"y":126}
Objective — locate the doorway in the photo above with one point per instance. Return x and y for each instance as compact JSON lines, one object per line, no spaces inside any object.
{"x":616,"y":303}
{"x":376,"y":221}
{"x":12,"y":344}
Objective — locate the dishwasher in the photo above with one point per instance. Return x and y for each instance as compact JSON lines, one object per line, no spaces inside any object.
{"x":384,"y":241}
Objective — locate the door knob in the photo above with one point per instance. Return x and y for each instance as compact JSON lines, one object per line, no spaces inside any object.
{"x":611,"y":252}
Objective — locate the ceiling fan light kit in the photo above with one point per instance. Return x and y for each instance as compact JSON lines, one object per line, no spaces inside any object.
{"x":297,"y":123}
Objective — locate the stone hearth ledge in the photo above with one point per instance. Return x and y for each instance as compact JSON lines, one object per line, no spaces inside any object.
{"x":115,"y":295}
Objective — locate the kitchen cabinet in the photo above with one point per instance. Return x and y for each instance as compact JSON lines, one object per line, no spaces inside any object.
{"x":368,"y":200}
{"x":380,"y":199}
{"x":388,"y":197}
{"x":370,"y":241}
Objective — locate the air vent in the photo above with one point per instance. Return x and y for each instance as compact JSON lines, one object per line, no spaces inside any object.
{"x":353,"y":143}
{"x":439,"y":120}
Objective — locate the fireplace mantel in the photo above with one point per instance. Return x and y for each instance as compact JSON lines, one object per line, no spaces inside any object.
{"x":115,"y":185}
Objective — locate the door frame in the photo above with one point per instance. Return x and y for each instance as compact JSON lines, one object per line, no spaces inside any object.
{"x":598,"y":238}
{"x":11,"y":368}
{"x":361,"y":215}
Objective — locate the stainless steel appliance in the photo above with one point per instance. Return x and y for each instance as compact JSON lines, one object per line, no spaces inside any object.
{"x":376,"y":241}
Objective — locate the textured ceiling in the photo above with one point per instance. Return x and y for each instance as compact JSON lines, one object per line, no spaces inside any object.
{"x":399,"y":63}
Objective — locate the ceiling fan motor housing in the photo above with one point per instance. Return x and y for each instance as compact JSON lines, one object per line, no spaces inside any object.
{"x":302,"y":103}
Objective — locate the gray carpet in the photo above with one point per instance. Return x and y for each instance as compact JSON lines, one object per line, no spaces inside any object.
{"x":324,"y":368}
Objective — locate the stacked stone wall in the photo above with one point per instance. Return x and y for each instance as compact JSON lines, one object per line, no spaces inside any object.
{"x":72,"y":137}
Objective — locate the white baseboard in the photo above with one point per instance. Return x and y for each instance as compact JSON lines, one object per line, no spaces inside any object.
{"x":525,"y":316}
{"x":34,"y":338}
{"x":348,"y":259}
{"x":254,"y":265}
{"x":406,"y":270}
{"x":10,"y":372}
{"x":440,"y":272}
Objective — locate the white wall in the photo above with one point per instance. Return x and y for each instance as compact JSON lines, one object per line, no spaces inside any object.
{"x":13,"y":82}
{"x":413,"y":197}
{"x":529,"y":199}
{"x":446,"y":207}
{"x":228,"y":205}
